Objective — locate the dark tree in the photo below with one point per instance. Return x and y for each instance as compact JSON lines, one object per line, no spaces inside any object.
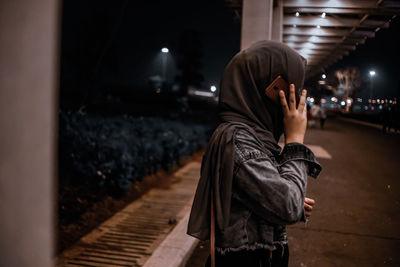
{"x":88,"y":31}
{"x":190,"y":53}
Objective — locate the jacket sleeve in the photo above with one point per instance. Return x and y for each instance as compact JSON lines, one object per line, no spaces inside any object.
{"x":276,"y":192}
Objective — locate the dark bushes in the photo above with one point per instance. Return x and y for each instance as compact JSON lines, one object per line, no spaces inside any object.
{"x":102,"y":156}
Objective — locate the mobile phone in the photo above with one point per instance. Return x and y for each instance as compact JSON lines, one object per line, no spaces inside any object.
{"x":272,"y":90}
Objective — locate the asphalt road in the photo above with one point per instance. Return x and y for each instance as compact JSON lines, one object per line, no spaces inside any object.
{"x":356,"y":219}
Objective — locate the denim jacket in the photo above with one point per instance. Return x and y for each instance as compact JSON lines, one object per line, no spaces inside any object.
{"x":268,"y":193}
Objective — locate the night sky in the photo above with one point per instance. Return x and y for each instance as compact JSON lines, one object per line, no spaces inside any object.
{"x":117,"y":43}
{"x":380,"y":54}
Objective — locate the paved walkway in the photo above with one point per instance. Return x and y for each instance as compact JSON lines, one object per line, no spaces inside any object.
{"x":356,"y":220}
{"x":357,"y":216}
{"x":150,"y":232}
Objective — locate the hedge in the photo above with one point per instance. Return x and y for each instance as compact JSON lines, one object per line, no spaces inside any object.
{"x":100,"y":155}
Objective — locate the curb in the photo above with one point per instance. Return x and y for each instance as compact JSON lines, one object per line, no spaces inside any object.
{"x":369,"y":124}
{"x":176,"y":248}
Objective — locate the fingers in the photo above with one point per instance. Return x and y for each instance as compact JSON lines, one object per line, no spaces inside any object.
{"x":309,"y":201}
{"x":284,"y":104}
{"x":292,"y":97}
{"x":307,"y":207}
{"x":307,"y":210}
{"x":308,"y":214}
{"x":302,"y":102}
{"x":292,"y":100}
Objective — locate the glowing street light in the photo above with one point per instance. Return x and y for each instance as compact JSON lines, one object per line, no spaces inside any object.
{"x":165,"y":52}
{"x":372,"y":73}
{"x":323,"y":76}
{"x":213,"y":88}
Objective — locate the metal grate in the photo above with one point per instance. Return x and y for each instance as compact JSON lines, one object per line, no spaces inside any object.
{"x":131,"y":235}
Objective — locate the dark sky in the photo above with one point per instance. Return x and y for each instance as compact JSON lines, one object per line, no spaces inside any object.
{"x":133,"y":32}
{"x":380,"y":54}
{"x":117,"y":43}
{"x":160,"y":23}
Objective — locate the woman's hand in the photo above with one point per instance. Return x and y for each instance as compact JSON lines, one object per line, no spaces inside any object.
{"x":294,"y":119}
{"x":308,"y":206}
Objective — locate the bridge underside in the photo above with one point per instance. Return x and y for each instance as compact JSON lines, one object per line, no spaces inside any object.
{"x":322,"y":31}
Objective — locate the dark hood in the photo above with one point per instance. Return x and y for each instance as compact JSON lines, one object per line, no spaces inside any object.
{"x":243,"y":83}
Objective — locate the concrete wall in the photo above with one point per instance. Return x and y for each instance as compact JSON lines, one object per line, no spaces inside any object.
{"x":261,"y":20}
{"x":256,"y":21}
{"x":28,"y":109}
{"x":277,"y":21}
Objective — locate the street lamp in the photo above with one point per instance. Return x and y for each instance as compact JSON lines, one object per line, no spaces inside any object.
{"x":372,"y":73}
{"x":323,"y":76}
{"x":213,"y":88}
{"x":165,"y":52}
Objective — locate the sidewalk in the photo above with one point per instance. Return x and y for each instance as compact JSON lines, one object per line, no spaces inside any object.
{"x":365,"y":123}
{"x":355,"y":221}
{"x":151,"y":231}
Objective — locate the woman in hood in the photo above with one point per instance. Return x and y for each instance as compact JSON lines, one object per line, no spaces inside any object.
{"x":250,"y":188}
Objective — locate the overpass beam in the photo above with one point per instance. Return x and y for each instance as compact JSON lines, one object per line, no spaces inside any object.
{"x":28,"y":137}
{"x":256,"y":21}
{"x":277,"y":23}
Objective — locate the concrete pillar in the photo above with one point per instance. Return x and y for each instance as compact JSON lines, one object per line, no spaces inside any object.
{"x":256,"y":21}
{"x":277,"y":21}
{"x":28,"y":82}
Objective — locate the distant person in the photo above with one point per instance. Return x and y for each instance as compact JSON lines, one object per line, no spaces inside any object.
{"x":385,"y":118}
{"x":249,"y":188}
{"x":394,"y":117}
{"x":322,"y":117}
{"x":309,"y":116}
{"x":315,"y":113}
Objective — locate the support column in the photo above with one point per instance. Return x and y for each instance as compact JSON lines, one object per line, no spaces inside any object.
{"x":277,"y":22}
{"x":28,"y":82}
{"x":256,"y":21}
